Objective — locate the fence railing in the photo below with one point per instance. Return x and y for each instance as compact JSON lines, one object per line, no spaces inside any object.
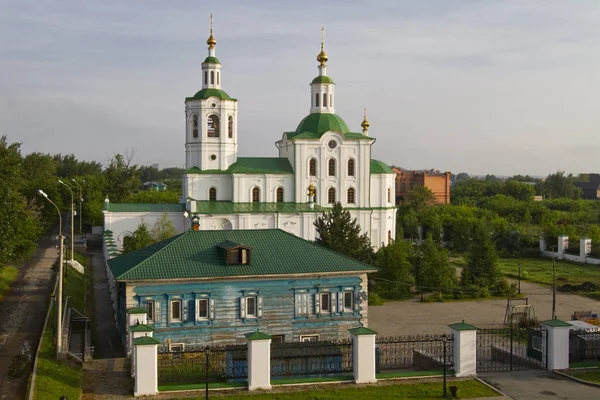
{"x":584,"y":345}
{"x":200,"y":364}
{"x":414,"y":352}
{"x":311,"y":358}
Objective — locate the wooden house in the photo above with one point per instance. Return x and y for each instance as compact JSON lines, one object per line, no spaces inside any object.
{"x":212,"y":287}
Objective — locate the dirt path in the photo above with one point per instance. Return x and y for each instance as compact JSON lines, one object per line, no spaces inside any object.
{"x":415,"y":318}
{"x":22,"y":314}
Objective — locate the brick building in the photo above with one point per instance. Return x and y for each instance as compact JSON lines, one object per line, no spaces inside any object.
{"x":436,"y":181}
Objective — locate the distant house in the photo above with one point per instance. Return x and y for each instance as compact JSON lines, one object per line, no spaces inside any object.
{"x":436,"y":181}
{"x":591,"y":188}
{"x":212,"y":287}
{"x":157,"y":186}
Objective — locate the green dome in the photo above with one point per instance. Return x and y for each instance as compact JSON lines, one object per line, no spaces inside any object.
{"x":317,"y":124}
{"x":322,"y":79}
{"x":206,"y":93}
{"x":211,"y":60}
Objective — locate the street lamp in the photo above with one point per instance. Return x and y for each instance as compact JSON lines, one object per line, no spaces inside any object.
{"x":60,"y":270}
{"x":80,"y":201}
{"x":72,"y":212}
{"x":553,"y":284}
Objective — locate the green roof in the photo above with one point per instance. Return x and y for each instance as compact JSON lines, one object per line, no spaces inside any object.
{"x":319,"y":123}
{"x":195,"y":255}
{"x":137,"y":310}
{"x":379,"y":167}
{"x":211,"y":60}
{"x":141,"y":328}
{"x":257,"y":336}
{"x":557,"y":323}
{"x":143,"y":207}
{"x":144,"y":340}
{"x":228,"y":207}
{"x":322,"y":79}
{"x":362,"y":331}
{"x":251,"y":165}
{"x":206,"y":93}
{"x":462,"y":326}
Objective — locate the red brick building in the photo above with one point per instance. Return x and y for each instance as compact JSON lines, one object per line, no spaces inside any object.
{"x":436,"y":181}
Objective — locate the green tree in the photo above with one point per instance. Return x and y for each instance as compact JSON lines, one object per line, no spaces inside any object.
{"x":518,"y":190}
{"x":122,"y":177}
{"x":394,"y":270}
{"x":435,"y":271}
{"x":138,"y":240}
{"x":481,"y":269}
{"x":163,"y":228}
{"x":419,"y":198}
{"x":339,"y":232}
{"x":559,"y":185}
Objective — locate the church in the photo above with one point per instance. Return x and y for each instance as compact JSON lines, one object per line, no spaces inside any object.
{"x":319,"y":163}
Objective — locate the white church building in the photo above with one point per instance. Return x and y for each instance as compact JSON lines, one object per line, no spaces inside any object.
{"x":319,"y":163}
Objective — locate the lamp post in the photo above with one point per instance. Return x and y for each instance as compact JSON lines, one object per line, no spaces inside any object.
{"x":553,"y":284}
{"x":60,"y":270}
{"x":80,"y":202}
{"x":72,"y":212}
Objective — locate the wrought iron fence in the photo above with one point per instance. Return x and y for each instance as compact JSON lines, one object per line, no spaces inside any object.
{"x":509,"y":348}
{"x":584,"y":345}
{"x":200,"y":364}
{"x":425,"y":352}
{"x":311,"y":358}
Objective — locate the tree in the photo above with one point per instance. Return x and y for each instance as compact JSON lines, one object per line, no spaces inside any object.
{"x":138,"y":240}
{"x":394,"y":270}
{"x":122,"y":177}
{"x":559,"y":185}
{"x":435,"y":270}
{"x":163,"y":228}
{"x":419,"y":198}
{"x":339,"y":232}
{"x":518,"y":190}
{"x":481,"y":269}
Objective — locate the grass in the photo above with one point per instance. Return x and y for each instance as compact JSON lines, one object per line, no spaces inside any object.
{"x":423,"y":391}
{"x":590,"y":375}
{"x":539,"y":270}
{"x":8,"y":275}
{"x":585,"y":364}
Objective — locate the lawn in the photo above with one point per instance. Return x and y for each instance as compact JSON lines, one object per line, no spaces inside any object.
{"x":8,"y":275}
{"x":583,"y":279}
{"x":424,"y":391}
{"x":590,"y":375}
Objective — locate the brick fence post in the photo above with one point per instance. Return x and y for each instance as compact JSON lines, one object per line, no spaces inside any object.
{"x":557,"y":349}
{"x":146,"y":370}
{"x":363,"y":355}
{"x":465,"y":349}
{"x":259,"y":360}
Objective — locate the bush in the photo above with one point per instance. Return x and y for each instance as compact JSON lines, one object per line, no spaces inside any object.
{"x":375,"y":299}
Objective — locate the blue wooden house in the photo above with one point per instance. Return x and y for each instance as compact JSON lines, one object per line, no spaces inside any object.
{"x":212,"y":287}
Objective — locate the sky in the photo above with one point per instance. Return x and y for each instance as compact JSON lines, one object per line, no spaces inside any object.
{"x":477,"y":86}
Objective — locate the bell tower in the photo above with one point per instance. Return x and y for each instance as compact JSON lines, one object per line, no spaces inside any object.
{"x":211,"y":119}
{"x":321,"y":88}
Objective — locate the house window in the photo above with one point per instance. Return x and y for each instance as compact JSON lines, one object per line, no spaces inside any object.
{"x":255,"y":195}
{"x":213,"y":126}
{"x":277,"y":338}
{"x":325,"y":302}
{"x":312,"y":167}
{"x":279,"y":195}
{"x":302,"y":304}
{"x":230,"y":127}
{"x":331,"y":169}
{"x":389,"y":195}
{"x":351,"y":167}
{"x":175,"y":310}
{"x":203,"y":309}
{"x":331,"y":196}
{"x":195,"y":126}
{"x":212,"y":194}
{"x":238,"y":256}
{"x":176,"y":347}
{"x":348,"y":301}
{"x":351,"y":196}
{"x":212,"y":77}
{"x":150,"y":306}
{"x":309,"y":338}
{"x":316,"y":99}
{"x":251,"y":307}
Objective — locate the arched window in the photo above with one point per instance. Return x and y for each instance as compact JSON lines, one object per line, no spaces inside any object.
{"x":331,"y":196}
{"x":212,"y":77}
{"x":230,"y":126}
{"x":312,"y":167}
{"x":280,"y":195}
{"x":195,"y":126}
{"x":351,"y":196}
{"x":351,"y":167}
{"x":317,"y":100}
{"x":206,"y":77}
{"x":218,"y":78}
{"x":324,"y":99}
{"x":213,"y":126}
{"x":389,"y":195}
{"x":255,"y":195}
{"x":389,"y":237}
{"x":331,"y":169}
{"x":212,"y":194}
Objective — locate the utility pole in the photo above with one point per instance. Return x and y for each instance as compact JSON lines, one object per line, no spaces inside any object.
{"x":72,"y":212}
{"x":80,"y":202}
{"x":519,"y":280}
{"x":553,"y":284}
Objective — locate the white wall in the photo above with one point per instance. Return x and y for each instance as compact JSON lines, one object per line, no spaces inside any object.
{"x":124,"y":223}
{"x":267,"y":183}
{"x":197,"y":186}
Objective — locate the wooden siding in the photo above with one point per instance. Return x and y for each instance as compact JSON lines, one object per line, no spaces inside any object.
{"x":277,"y":304}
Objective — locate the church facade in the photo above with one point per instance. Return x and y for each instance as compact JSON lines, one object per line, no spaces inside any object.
{"x":319,"y":163}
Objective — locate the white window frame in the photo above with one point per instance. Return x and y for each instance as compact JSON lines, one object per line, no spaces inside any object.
{"x":302,"y":304}
{"x":325,"y":302}
{"x":309,"y":338}
{"x":255,"y":314}
{"x":171,"y":345}
{"x":151,"y":307}
{"x":198,"y":316}
{"x":171,"y":303}
{"x":351,"y":295}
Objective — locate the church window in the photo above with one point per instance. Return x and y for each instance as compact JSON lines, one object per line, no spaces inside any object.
{"x":351,"y":167}
{"x":324,"y":99}
{"x":280,"y":195}
{"x":332,"y":144}
{"x":212,"y":194}
{"x":312,"y":167}
{"x":206,"y":77}
{"x":389,"y":195}
{"x":213,"y":126}
{"x":218,"y":78}
{"x":331,"y":169}
{"x":212,"y":77}
{"x":317,"y":97}
{"x":255,"y":195}
{"x":351,"y":196}
{"x":195,"y":126}
{"x":331,"y":196}
{"x":230,"y":127}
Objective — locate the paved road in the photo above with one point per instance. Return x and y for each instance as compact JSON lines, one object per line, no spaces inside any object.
{"x":540,"y":385}
{"x":22,"y":314}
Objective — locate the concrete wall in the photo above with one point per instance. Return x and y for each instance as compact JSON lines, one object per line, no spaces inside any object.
{"x":124,"y":223}
{"x":560,"y":254}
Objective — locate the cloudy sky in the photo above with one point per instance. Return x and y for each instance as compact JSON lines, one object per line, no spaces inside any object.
{"x":480,"y":86}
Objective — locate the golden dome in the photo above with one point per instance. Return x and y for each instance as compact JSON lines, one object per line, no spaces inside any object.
{"x":365,"y":124}
{"x":311,"y":189}
{"x":211,"y":41}
{"x":322,"y":57}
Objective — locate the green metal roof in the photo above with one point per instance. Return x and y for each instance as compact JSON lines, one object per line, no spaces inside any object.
{"x":462,"y":326}
{"x":141,"y":328}
{"x":257,"y":336}
{"x":319,"y":123}
{"x":206,"y":93}
{"x":142,"y":207}
{"x":228,"y":207}
{"x":362,"y":331}
{"x":379,"y":167}
{"x":322,"y":79}
{"x":137,"y":310}
{"x":251,"y":165}
{"x":556,"y":323}
{"x":211,"y":60}
{"x":145,"y":340}
{"x":194,"y":254}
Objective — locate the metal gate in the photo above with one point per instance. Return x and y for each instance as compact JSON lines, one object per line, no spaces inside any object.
{"x":510,"y":349}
